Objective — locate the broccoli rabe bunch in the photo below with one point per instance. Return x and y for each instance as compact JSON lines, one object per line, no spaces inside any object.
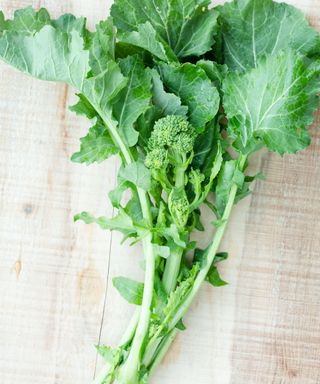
{"x":169,"y":154}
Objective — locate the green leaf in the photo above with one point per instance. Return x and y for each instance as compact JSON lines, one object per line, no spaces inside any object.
{"x":229,"y":175}
{"x":27,"y":21}
{"x":177,"y":297}
{"x":48,"y":52}
{"x":254,"y":28}
{"x":133,"y":209}
{"x":220,"y":256}
{"x":116,"y":194}
{"x":195,"y":89}
{"x":106,"y":352}
{"x":215,"y":169}
{"x":101,"y":90}
{"x":69,"y":22}
{"x":200,"y":257}
{"x":96,"y":146}
{"x":138,"y":174}
{"x":133,"y":100}
{"x":180,"y":325}
{"x":122,"y":222}
{"x":161,"y":250}
{"x":215,"y":72}
{"x":102,"y":47}
{"x":168,"y":103}
{"x":245,"y":191}
{"x":172,"y":233}
{"x":83,"y":108}
{"x":205,"y":148}
{"x":2,"y":23}
{"x":146,"y":37}
{"x":214,"y":278}
{"x":188,"y":27}
{"x":273,"y":103}
{"x":129,"y":289}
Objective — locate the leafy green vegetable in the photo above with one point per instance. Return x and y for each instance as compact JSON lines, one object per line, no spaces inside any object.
{"x":137,"y":174}
{"x":195,"y":89}
{"x":168,"y":103}
{"x":96,"y":146}
{"x":187,"y":27}
{"x":146,"y":37}
{"x":253,"y":28}
{"x":184,"y":127}
{"x":273,"y":103}
{"x":129,"y":289}
{"x":52,"y":51}
{"x":137,"y":94}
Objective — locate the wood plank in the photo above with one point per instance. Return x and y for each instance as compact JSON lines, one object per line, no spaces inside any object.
{"x":55,"y":276}
{"x":53,"y":273}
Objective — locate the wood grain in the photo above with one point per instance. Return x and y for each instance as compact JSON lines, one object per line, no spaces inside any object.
{"x":57,"y":299}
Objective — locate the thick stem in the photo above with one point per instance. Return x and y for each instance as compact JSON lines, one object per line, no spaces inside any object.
{"x":125,"y":339}
{"x":162,"y":350}
{"x":172,"y":269}
{"x":129,"y":371}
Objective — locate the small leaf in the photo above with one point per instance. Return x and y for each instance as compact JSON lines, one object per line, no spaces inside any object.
{"x":138,"y":174}
{"x":106,"y":352}
{"x":83,"y":108}
{"x":229,"y":175}
{"x":122,"y":222}
{"x":161,"y":250}
{"x":172,"y":232}
{"x":180,"y":325}
{"x":220,"y":256}
{"x":116,"y":194}
{"x":214,"y":278}
{"x":97,"y":146}
{"x":129,"y":289}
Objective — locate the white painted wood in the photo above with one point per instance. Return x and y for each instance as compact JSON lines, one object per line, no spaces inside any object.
{"x":57,"y":298}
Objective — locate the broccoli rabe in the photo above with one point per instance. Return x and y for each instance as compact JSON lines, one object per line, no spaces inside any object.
{"x":171,"y":141}
{"x":169,"y":153}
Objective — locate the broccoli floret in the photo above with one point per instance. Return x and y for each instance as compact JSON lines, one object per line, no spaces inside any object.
{"x":156,"y":159}
{"x":171,"y":140}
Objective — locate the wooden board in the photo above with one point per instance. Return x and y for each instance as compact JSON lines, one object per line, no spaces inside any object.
{"x":57,"y":299}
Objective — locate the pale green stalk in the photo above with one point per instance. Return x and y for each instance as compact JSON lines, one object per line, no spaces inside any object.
{"x":132,"y":364}
{"x":159,"y":353}
{"x":173,"y":262}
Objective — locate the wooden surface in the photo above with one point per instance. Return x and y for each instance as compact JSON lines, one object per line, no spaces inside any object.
{"x":57,"y":299}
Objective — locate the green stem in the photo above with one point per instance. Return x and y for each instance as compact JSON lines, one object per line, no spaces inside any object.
{"x":125,"y":339}
{"x":172,"y":269}
{"x":129,"y":371}
{"x":162,"y":350}
{"x":173,"y":263}
{"x":211,"y":253}
{"x":165,"y":343}
{"x":132,"y":364}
